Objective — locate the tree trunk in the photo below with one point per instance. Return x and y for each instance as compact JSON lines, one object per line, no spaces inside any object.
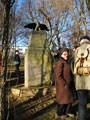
{"x":7,"y":4}
{"x":0,"y":99}
{"x":4,"y":60}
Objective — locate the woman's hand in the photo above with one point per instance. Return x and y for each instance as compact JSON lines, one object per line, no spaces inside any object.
{"x":65,"y":84}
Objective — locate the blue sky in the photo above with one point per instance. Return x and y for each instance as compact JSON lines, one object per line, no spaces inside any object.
{"x":19,"y":2}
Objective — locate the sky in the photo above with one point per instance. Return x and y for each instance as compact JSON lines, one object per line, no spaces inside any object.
{"x":20,"y":1}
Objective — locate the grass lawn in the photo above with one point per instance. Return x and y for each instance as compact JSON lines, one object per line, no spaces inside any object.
{"x":36,"y":108}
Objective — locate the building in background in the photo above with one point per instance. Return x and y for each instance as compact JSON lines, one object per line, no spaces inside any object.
{"x":22,"y":50}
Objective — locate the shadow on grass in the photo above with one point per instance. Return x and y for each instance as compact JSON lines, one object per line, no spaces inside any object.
{"x":29,"y":105}
{"x":25,"y":109}
{"x":13,"y":80}
{"x":42,"y":111}
{"x":75,"y":110}
{"x":31,"y":116}
{"x":88,"y":114}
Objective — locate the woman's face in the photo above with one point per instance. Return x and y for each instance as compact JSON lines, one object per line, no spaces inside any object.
{"x":17,"y":53}
{"x":65,"y":55}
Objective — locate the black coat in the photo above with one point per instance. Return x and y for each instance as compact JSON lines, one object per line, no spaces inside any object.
{"x":17,"y":58}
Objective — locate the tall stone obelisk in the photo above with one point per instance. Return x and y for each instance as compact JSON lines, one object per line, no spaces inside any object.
{"x":37,"y":60}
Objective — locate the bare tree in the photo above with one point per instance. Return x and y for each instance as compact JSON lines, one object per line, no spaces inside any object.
{"x":7,"y":4}
{"x":1,"y":20}
{"x":46,"y":12}
{"x":62,"y":17}
{"x":88,"y":5}
{"x":78,"y":18}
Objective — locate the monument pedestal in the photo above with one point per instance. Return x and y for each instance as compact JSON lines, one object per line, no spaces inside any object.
{"x":37,"y":61}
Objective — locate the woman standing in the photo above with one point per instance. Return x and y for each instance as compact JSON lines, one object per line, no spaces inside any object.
{"x":17,"y":63}
{"x":63,"y":78}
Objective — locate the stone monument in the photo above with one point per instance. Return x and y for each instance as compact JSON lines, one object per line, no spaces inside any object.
{"x":37,"y":61}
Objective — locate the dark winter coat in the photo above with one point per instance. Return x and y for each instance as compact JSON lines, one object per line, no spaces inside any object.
{"x":62,"y":74}
{"x":17,"y":58}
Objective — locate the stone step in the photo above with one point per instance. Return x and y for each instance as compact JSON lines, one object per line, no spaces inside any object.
{"x":31,"y":92}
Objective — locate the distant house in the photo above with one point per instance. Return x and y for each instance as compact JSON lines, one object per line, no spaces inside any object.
{"x":22,"y":50}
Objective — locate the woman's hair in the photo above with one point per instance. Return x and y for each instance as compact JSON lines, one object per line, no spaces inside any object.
{"x":16,"y":51}
{"x":63,"y":50}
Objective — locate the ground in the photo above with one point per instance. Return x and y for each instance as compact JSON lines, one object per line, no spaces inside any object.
{"x":38,"y":107}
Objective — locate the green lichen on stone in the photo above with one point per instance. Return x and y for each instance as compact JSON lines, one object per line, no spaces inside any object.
{"x":39,"y":59}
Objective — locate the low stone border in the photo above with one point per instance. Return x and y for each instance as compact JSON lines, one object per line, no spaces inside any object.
{"x":33,"y":91}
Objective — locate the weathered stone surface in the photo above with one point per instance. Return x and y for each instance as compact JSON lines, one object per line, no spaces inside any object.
{"x":37,"y":60}
{"x":45,"y":90}
{"x":15,"y":91}
{"x":33,"y":91}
